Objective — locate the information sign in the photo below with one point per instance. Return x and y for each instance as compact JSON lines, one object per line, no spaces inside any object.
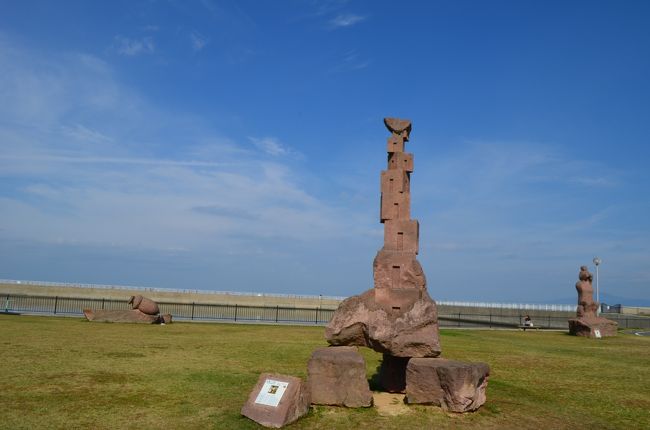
{"x":271,"y":392}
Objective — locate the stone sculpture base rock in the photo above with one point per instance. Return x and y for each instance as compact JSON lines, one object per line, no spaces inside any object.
{"x":454,"y":385}
{"x":411,"y":332}
{"x":293,"y":402}
{"x":337,"y":376}
{"x":130,"y":316}
{"x":587,"y":326}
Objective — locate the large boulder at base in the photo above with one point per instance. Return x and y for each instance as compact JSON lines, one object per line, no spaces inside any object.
{"x":592,"y":327}
{"x":454,"y":385}
{"x":131,"y":316}
{"x":411,"y":332}
{"x":337,"y":376}
{"x":277,"y":400}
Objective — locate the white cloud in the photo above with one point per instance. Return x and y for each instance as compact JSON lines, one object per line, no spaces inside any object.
{"x":79,"y":132}
{"x":134,"y":47}
{"x":198,"y":42}
{"x":270,"y":145}
{"x":98,"y":165}
{"x":346,"y":20}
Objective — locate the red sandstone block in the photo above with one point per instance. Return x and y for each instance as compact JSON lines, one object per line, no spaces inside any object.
{"x":395,"y":181}
{"x":400,"y":160}
{"x":395,"y":206}
{"x":398,"y":270}
{"x":395,"y":143}
{"x":401,"y":235}
{"x":337,"y":376}
{"x":454,"y":385}
{"x":277,"y":400}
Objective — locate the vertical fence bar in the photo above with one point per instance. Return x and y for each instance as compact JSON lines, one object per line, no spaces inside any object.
{"x":235,"y":311}
{"x":316,"y":322}
{"x":277,"y":309}
{"x":192,"y":311}
{"x":56,"y":302}
{"x":490,"y":319}
{"x":458,"y":319}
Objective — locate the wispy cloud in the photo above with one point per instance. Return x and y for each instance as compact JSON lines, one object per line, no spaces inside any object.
{"x":198,"y":41}
{"x":348,"y":61}
{"x":80,"y":132}
{"x":94,"y":178}
{"x":134,"y":47}
{"x":345,"y":20}
{"x":270,"y":145}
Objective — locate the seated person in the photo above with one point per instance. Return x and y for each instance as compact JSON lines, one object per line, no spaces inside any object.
{"x":528,"y":322}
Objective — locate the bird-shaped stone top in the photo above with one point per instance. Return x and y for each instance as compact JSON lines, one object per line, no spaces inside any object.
{"x":398,"y":126}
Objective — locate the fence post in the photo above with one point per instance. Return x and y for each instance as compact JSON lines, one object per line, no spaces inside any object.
{"x":7,"y":304}
{"x":56,"y":303}
{"x":192,"y":311}
{"x":103,"y":303}
{"x":235,"y":311}
{"x":458,"y":319}
{"x":277,"y":308}
{"x":490,"y":319}
{"x":549,"y":321}
{"x":316,"y":322}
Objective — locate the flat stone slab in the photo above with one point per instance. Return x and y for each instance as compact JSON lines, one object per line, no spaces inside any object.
{"x":277,"y":400}
{"x":337,"y":376}
{"x":592,"y":327}
{"x":411,"y":332}
{"x":130,"y":316}
{"x":453,"y":385}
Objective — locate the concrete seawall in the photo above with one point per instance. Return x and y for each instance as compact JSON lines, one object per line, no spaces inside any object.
{"x":123,"y":293}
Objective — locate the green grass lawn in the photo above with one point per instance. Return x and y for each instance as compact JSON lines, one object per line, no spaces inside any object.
{"x":70,"y":373}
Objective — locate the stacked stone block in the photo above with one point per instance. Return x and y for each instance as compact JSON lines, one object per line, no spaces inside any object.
{"x":398,"y":276}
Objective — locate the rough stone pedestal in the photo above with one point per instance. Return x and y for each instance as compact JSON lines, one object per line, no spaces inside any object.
{"x":454,"y":385}
{"x":587,"y":326}
{"x":392,"y":373}
{"x":337,"y":376}
{"x":277,"y":400}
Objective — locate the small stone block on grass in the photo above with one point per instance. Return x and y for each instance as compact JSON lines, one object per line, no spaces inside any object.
{"x":277,"y":400}
{"x":454,"y":385}
{"x":337,"y":376}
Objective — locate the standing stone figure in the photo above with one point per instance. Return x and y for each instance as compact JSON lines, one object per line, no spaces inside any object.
{"x":588,"y":323}
{"x":586,"y":305}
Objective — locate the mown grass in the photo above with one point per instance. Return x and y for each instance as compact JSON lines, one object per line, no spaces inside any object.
{"x":69,"y":373}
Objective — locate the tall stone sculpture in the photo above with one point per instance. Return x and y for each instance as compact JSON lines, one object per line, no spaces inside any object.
{"x":397,"y":317}
{"x":588,"y":323}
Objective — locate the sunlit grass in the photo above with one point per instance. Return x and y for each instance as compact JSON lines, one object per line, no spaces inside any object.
{"x":69,"y":373}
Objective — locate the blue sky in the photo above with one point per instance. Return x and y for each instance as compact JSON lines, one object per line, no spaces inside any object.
{"x":237,"y":145}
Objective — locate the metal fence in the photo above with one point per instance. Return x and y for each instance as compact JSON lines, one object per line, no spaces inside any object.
{"x":72,"y":306}
{"x":493,"y":305}
{"x":179,"y":311}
